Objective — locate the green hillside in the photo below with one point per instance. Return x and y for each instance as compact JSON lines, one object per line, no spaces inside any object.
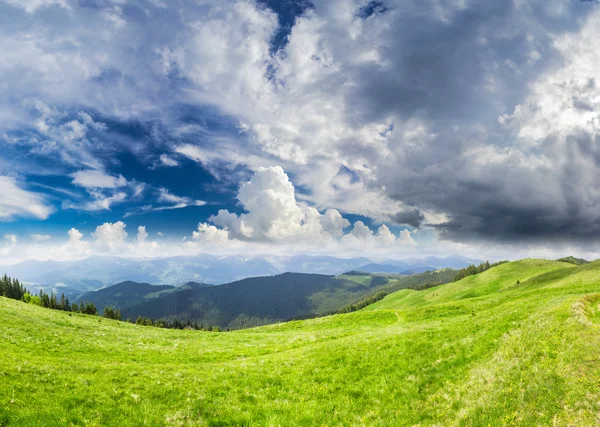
{"x":515,"y":345}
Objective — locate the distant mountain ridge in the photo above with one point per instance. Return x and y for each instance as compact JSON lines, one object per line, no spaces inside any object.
{"x":96,"y":272}
{"x":128,"y":293}
{"x":244,"y":303}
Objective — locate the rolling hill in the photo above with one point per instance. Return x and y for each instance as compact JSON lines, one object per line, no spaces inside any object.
{"x":514,"y":345}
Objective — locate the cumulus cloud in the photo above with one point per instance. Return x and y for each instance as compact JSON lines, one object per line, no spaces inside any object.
{"x":362,"y":236}
{"x":75,"y":245}
{"x":16,"y":201}
{"x":209,"y":233}
{"x":110,"y":236}
{"x":142,"y":235}
{"x":273,"y":212}
{"x":274,"y":215}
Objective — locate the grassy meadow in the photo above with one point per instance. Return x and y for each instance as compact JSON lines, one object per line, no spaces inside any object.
{"x":515,"y":345}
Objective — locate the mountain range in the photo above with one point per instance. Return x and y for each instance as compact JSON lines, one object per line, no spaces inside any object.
{"x":253,"y":301}
{"x":96,"y":272}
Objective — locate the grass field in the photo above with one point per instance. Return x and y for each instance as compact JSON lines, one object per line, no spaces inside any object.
{"x":482,"y":351}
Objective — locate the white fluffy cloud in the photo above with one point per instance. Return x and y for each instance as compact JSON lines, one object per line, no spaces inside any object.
{"x":362,"y":236}
{"x":142,"y":235}
{"x":75,"y":245}
{"x":16,"y":201}
{"x":210,"y":234}
{"x":110,"y":236}
{"x":274,"y":215}
{"x":273,"y":212}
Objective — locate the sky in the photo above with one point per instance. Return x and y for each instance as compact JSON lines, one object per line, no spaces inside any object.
{"x":390,"y":129}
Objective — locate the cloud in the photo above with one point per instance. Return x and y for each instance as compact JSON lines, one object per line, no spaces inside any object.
{"x":11,"y":239}
{"x":142,"y":235}
{"x":178,"y":202}
{"x":110,"y":236}
{"x":75,"y":246}
{"x":40,"y":237}
{"x":168,"y":161}
{"x":274,"y":215}
{"x":476,"y":119}
{"x":164,"y":196}
{"x":210,"y":234}
{"x":99,"y":202}
{"x":362,"y":236}
{"x":412,"y":217}
{"x":18,"y":202}
{"x":94,"y":179}
{"x":33,"y":5}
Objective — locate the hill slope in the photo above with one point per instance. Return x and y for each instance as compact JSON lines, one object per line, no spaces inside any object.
{"x":481,"y":351}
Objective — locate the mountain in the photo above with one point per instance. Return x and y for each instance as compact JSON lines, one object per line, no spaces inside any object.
{"x":382,"y":268}
{"x":124,"y":294}
{"x":257,"y":300}
{"x":96,"y":272}
{"x":481,"y":351}
{"x":129,"y":293}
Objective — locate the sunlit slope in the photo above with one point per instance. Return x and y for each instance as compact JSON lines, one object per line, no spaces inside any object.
{"x":483,"y":351}
{"x":500,"y":278}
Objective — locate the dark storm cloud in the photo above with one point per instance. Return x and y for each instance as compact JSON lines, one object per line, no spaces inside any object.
{"x":458,"y":70}
{"x":412,"y":217}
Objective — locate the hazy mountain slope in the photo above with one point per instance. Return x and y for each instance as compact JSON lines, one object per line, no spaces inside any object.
{"x":383,"y":268}
{"x":100,"y":271}
{"x":481,"y":351}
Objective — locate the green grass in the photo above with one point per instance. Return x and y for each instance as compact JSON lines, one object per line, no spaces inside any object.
{"x":481,"y":351}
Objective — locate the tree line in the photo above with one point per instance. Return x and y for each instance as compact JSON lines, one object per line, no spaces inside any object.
{"x":175,"y":324}
{"x":472,"y":269}
{"x":14,"y":289}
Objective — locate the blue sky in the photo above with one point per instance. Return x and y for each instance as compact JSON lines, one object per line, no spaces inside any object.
{"x":392,"y":128}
